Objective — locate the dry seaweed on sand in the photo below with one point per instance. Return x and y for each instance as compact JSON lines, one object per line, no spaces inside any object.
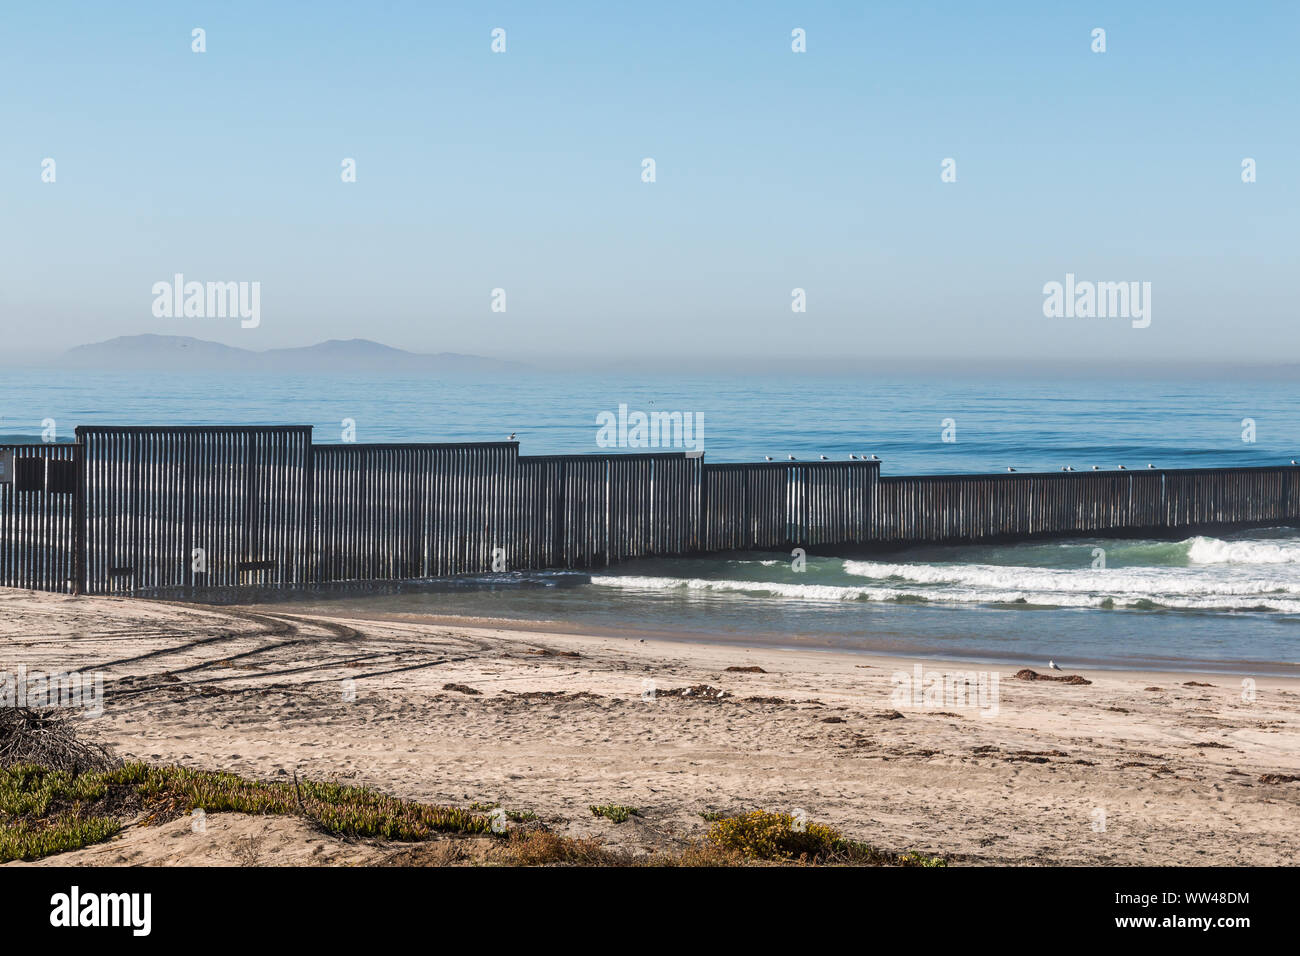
{"x":695,"y":692}
{"x":48,"y":738}
{"x":1027,"y":674}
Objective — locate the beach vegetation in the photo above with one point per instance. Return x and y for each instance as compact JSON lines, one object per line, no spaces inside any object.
{"x":616,"y":812}
{"x":781,"y":837}
{"x":46,"y":811}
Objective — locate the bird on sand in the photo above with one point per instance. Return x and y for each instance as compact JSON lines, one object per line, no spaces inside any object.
{"x":1053,"y":665}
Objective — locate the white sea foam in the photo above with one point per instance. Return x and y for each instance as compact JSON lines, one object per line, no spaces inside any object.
{"x":1214,"y":551}
{"x":1152,"y":583}
{"x":809,"y":592}
{"x":1221,"y":575}
{"x":1259,"y":595}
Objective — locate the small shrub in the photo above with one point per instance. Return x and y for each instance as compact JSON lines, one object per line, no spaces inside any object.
{"x":543,"y":848}
{"x":615,"y":812}
{"x":764,"y":835}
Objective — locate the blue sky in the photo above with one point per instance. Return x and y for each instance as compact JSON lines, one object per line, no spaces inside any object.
{"x":775,"y":170}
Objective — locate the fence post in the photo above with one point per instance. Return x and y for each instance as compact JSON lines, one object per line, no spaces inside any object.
{"x":79,"y":519}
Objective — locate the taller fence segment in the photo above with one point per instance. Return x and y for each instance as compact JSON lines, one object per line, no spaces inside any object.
{"x":39,"y":516}
{"x":185,"y":507}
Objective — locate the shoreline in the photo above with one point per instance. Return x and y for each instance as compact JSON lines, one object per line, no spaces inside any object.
{"x":1132,"y":768}
{"x":1243,"y":668}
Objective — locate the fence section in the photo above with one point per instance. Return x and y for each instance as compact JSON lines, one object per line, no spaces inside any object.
{"x":39,"y":516}
{"x":939,"y":508}
{"x":131,"y":509}
{"x":173,"y":508}
{"x":388,"y":512}
{"x":593,"y":510}
{"x":787,"y":504}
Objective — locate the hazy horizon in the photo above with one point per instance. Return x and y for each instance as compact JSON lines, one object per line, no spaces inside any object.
{"x":775,"y":171}
{"x":723,"y":365}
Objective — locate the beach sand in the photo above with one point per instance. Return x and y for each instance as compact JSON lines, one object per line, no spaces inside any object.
{"x":1132,"y":768}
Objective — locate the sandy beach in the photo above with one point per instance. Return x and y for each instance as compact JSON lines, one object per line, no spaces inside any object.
{"x":1131,"y":768}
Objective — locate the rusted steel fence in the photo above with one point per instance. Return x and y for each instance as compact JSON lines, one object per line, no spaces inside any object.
{"x":39,"y":516}
{"x":389,"y":512}
{"x":170,"y":508}
{"x":175,"y":509}
{"x":954,"y":508}
{"x":787,"y":504}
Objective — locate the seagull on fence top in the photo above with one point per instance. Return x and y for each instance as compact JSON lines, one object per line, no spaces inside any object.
{"x":768,"y":457}
{"x":512,"y":437}
{"x":1293,"y":461}
{"x":823,"y":458}
{"x":1149,"y":465}
{"x":852,"y":457}
{"x":1122,"y":468}
{"x":1095,"y":468}
{"x":1009,"y":468}
{"x":792,"y":458}
{"x":875,"y":458}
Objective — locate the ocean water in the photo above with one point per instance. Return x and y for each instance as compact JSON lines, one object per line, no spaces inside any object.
{"x":1229,"y":605}
{"x":1026,"y":423}
{"x":1216,"y":604}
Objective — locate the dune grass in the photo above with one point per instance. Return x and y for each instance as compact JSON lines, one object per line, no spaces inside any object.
{"x":44,"y":811}
{"x":51,"y":811}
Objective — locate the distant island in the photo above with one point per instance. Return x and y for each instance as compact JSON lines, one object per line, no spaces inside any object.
{"x":183,"y":353}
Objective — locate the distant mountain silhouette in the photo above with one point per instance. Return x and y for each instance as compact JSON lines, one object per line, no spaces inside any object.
{"x":183,"y":353}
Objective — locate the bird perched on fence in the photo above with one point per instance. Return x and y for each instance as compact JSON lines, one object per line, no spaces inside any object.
{"x":1095,"y":468}
{"x":792,"y":458}
{"x":823,"y":458}
{"x":1293,"y":461}
{"x":1122,"y":468}
{"x":875,"y":458}
{"x":1009,"y":468}
{"x":512,"y":437}
{"x":1068,"y":468}
{"x":852,"y":457}
{"x":768,"y":457}
{"x":1149,"y":465}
